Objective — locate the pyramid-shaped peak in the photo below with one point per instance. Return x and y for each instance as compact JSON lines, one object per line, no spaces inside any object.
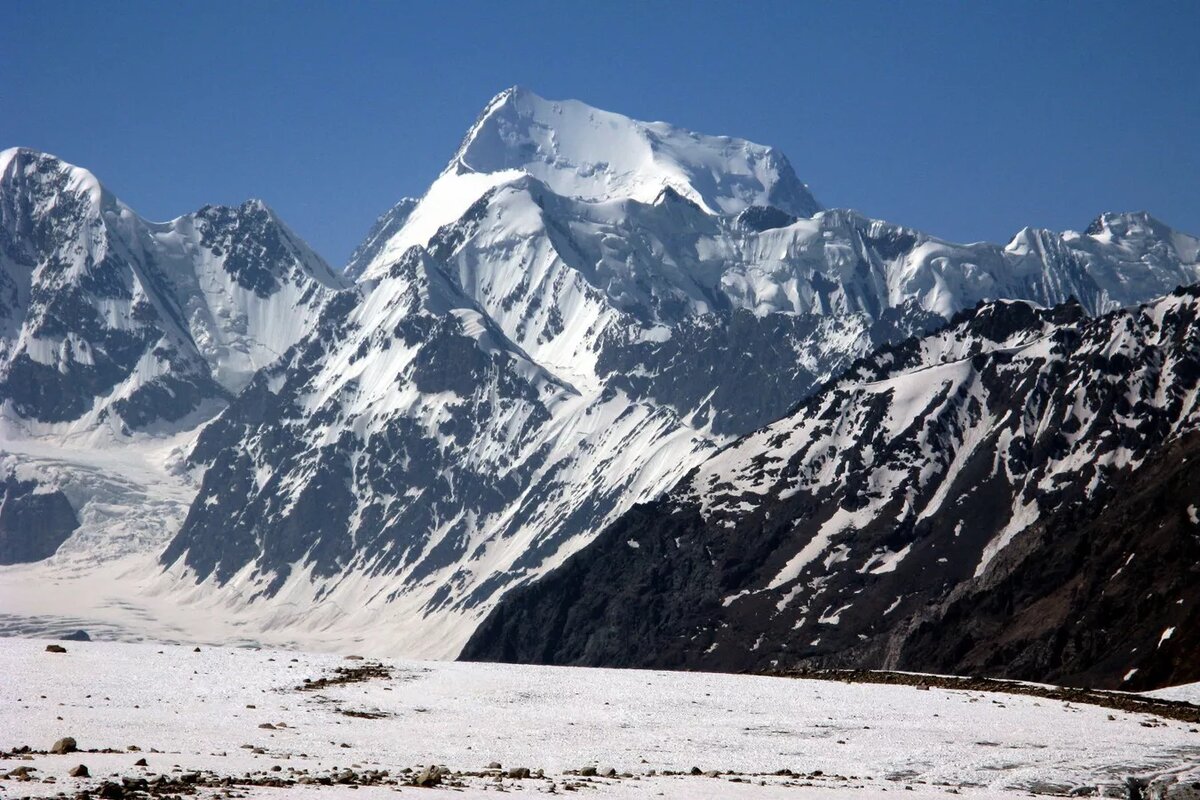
{"x":584,"y":152}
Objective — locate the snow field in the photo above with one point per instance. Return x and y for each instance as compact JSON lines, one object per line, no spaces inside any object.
{"x":201,"y":708}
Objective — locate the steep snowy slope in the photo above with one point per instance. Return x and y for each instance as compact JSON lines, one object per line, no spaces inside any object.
{"x":407,"y":462}
{"x":1013,"y":494}
{"x":107,"y":317}
{"x":549,"y":337}
{"x":387,"y":226}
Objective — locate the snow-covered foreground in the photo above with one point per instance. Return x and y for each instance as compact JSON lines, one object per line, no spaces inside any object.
{"x":206,"y":711}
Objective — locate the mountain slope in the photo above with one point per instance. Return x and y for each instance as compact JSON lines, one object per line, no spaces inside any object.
{"x":406,"y":458}
{"x":387,"y":226}
{"x":1012,"y":494}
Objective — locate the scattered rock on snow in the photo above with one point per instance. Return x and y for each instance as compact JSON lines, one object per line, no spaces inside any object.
{"x":80,"y":772}
{"x":55,"y":648}
{"x":430,"y":776}
{"x":64,"y":745}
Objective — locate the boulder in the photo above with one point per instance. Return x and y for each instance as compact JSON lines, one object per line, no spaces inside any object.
{"x":63,"y":746}
{"x":430,"y":776}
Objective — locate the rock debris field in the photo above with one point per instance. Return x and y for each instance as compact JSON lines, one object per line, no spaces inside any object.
{"x":109,"y":720}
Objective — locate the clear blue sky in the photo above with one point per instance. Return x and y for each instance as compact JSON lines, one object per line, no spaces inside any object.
{"x":966,"y":119}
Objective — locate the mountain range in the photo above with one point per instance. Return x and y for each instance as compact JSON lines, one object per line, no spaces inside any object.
{"x":609,"y":392}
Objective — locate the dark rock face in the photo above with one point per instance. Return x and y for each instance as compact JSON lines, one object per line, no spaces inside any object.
{"x":764,"y":218}
{"x":33,"y":524}
{"x":1010,"y":495}
{"x":1086,"y":596}
{"x":706,"y":373}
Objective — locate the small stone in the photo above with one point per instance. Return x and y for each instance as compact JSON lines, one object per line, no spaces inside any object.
{"x":141,"y":762}
{"x":197,"y":650}
{"x":266,"y":726}
{"x":63,"y":746}
{"x":608,"y":772}
{"x":55,"y":648}
{"x":695,"y":771}
{"x":587,"y":772}
{"x":80,"y":772}
{"x":518,"y":773}
{"x":494,"y":765}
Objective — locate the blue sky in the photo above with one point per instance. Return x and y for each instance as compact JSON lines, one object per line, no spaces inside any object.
{"x":965,"y":119}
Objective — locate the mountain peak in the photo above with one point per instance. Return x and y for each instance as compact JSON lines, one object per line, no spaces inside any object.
{"x":1122,"y":223}
{"x":26,"y":166}
{"x":590,"y":154}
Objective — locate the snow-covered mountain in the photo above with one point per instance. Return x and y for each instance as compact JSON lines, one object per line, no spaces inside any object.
{"x":602,"y":302}
{"x":1013,"y":494}
{"x":118,"y":336}
{"x":580,"y":309}
{"x":108,"y":318}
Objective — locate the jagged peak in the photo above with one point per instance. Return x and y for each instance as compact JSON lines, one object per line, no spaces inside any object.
{"x":1119,"y":223}
{"x":251,"y":207}
{"x":20,"y":164}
